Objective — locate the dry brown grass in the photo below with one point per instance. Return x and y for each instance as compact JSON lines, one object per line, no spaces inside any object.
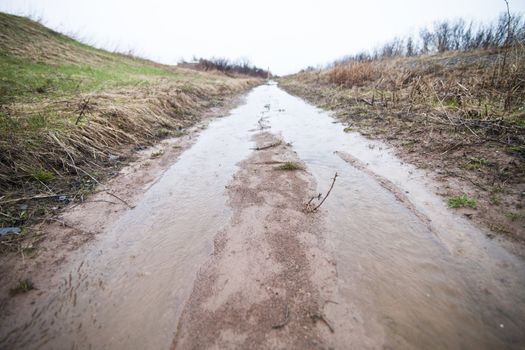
{"x":353,"y":74}
{"x":471,"y":85}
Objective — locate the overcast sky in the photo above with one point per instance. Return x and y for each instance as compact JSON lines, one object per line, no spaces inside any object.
{"x":282,"y":35}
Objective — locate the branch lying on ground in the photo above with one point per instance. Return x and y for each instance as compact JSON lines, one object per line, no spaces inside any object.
{"x":268,"y":146}
{"x":321,"y":317}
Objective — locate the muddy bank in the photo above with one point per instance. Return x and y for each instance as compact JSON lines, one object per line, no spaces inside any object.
{"x":463,"y":162}
{"x":269,"y":279}
{"x":56,"y":256}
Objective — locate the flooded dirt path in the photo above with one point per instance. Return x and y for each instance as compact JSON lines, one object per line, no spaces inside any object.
{"x":221,"y":244}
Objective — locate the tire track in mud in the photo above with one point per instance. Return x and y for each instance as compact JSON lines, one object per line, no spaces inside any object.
{"x":389,"y":186}
{"x":258,"y":289}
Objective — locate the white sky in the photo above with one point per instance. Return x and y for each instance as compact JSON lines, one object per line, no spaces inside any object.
{"x":283,"y":35}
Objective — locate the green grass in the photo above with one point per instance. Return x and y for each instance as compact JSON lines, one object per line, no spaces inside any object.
{"x":518,"y":150}
{"x":156,"y":154}
{"x":514,"y":216}
{"x":37,"y":62}
{"x":348,"y":129}
{"x":462,"y":202}
{"x":476,"y":163}
{"x":22,"y":286}
{"x":289,"y":166}
{"x":163,"y":132}
{"x":42,"y":175}
{"x":22,"y":79}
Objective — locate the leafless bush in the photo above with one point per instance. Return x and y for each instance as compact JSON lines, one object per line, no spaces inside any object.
{"x":451,"y":35}
{"x":224,"y":65}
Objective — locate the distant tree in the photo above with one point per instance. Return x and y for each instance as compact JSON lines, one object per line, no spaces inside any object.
{"x":410,"y":47}
{"x":457,"y":35}
{"x":426,"y":40}
{"x":442,"y":34}
{"x":507,"y":30}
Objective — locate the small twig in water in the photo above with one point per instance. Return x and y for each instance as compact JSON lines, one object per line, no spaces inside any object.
{"x":308,"y":205}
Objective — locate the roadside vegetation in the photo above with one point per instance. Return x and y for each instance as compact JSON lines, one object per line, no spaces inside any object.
{"x":452,"y":100}
{"x":72,"y":115}
{"x":289,"y":166}
{"x":231,"y":68}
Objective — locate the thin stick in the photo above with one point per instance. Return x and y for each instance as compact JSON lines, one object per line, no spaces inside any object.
{"x":327,"y":193}
{"x":106,"y":189}
{"x":268,"y":146}
{"x":94,"y":201}
{"x":309,"y":202}
{"x":321,"y":317}
{"x":39,"y":196}
{"x":120,"y":199}
{"x":83,"y":109}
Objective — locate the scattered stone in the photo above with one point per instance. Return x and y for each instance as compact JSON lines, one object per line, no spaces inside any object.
{"x":113,"y":157}
{"x":9,"y":231}
{"x":62,"y":198}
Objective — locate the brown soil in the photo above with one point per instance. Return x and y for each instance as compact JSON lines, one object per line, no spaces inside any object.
{"x":462,"y":162}
{"x":270,"y":281}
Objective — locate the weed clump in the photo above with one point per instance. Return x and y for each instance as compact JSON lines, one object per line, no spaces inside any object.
{"x":156,"y":154}
{"x":289,"y":166}
{"x":162,"y":133}
{"x":23,"y":286}
{"x":42,"y":175}
{"x":462,"y":201}
{"x":514,"y":216}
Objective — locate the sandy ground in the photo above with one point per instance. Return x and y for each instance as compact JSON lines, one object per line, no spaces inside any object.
{"x":270,"y":283}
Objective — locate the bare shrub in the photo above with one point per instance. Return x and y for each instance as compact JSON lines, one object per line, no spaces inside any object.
{"x":226,"y":66}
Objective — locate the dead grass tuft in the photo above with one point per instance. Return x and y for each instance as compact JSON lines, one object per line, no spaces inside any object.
{"x":353,"y":74}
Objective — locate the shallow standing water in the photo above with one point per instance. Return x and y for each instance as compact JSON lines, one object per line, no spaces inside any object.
{"x":435,"y":282}
{"x":412,"y":283}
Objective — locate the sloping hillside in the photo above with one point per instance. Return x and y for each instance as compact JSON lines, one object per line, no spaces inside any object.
{"x":459,"y":114}
{"x":70,"y":113}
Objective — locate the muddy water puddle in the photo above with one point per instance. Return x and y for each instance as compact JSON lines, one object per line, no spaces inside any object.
{"x":416,"y":274}
{"x":128,"y":290}
{"x":411,"y":273}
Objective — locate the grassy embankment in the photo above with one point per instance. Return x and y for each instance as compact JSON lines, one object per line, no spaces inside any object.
{"x":70,"y":113}
{"x":459,"y":114}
